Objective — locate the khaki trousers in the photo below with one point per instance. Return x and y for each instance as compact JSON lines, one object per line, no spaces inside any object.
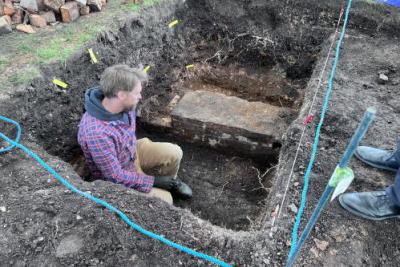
{"x":158,"y":159}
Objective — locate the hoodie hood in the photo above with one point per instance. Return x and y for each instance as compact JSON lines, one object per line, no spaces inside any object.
{"x":93,"y":106}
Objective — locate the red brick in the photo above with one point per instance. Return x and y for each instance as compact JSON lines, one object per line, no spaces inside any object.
{"x":85,"y":10}
{"x":54,"y":5}
{"x":70,"y":11}
{"x":37,"y":20}
{"x":18,"y":16}
{"x":8,"y":8}
{"x":49,"y":16}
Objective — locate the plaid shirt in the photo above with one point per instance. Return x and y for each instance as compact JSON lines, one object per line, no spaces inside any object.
{"x":110,"y":150}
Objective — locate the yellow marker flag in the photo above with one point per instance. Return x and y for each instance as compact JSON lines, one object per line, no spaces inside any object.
{"x":146,"y":70}
{"x":60,"y":83}
{"x":173,"y":24}
{"x":190,"y":66}
{"x":92,"y":56}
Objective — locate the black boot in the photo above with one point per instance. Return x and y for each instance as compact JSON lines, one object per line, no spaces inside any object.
{"x":173,"y":185}
{"x":374,"y":205}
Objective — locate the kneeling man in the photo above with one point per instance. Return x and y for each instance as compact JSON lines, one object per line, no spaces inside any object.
{"x":108,"y":139}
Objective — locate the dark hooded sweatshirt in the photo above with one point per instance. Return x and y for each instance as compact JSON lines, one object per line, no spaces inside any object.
{"x":108,"y":142}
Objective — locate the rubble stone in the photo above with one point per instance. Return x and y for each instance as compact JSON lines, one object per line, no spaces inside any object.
{"x":70,"y":11}
{"x":37,"y":20}
{"x":49,"y":16}
{"x":321,"y":245}
{"x":383,"y":78}
{"x":95,"y":5}
{"x":69,"y":245}
{"x":85,"y":10}
{"x":18,"y":16}
{"x":81,"y":2}
{"x":25,"y":28}
{"x":5,"y":26}
{"x":8,"y":18}
{"x":54,"y":5}
{"x":9,"y":8}
{"x":30,"y":5}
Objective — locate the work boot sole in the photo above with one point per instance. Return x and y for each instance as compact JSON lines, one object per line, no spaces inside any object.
{"x":373,"y":164}
{"x":359,"y":214}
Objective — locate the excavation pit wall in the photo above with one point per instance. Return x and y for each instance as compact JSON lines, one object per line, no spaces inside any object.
{"x":260,"y":49}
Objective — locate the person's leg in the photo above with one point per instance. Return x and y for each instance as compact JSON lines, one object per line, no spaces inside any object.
{"x":162,"y":160}
{"x":396,"y":153}
{"x":159,"y":158}
{"x":393,"y":191}
{"x":155,"y":192}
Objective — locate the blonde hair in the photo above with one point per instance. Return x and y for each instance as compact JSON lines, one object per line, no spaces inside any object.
{"x":120,"y":78}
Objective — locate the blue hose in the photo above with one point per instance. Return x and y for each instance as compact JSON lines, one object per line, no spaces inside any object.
{"x":18,"y":134}
{"x":102,"y":202}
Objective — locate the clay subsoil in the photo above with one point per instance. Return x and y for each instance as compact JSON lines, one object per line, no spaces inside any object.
{"x":284,"y":44}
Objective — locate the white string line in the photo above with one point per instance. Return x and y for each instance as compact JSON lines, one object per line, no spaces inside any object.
{"x":305,"y":126}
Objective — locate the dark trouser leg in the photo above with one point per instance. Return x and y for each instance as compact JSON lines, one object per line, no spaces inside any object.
{"x":396,"y":153}
{"x":393,"y":191}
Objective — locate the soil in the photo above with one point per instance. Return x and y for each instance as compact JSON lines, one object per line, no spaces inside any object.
{"x":45,"y":224}
{"x":230,"y":190}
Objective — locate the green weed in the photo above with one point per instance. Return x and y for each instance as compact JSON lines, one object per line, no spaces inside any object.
{"x":151,"y":2}
{"x":23,"y":76}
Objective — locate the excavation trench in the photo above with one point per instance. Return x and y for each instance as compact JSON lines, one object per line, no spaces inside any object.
{"x":227,"y":99}
{"x":227,"y":84}
{"x":229,"y":123}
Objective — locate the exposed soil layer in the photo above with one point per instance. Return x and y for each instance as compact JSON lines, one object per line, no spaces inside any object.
{"x":274,"y":46}
{"x":263,"y":84}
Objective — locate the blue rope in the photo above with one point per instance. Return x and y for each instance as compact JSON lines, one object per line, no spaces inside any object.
{"x":18,"y":134}
{"x":314,"y":217}
{"x":316,"y":140}
{"x":105,"y":204}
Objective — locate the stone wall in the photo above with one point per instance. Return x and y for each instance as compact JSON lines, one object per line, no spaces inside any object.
{"x":26,"y":15}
